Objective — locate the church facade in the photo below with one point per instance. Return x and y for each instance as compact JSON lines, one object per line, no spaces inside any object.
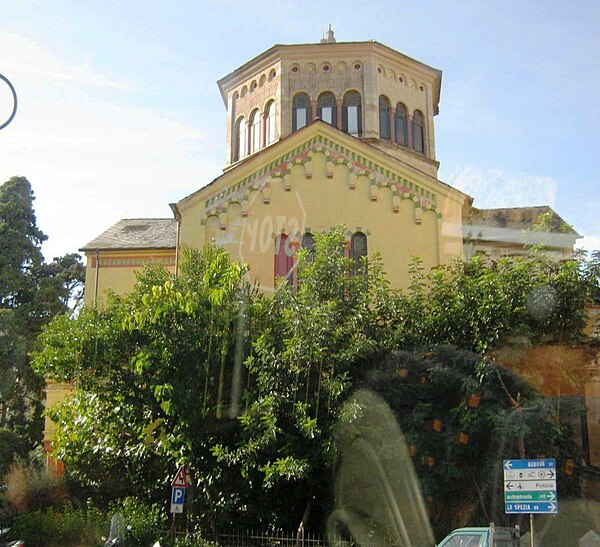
{"x":318,"y":135}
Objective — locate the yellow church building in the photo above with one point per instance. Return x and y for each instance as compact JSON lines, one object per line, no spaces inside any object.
{"x":320,"y":135}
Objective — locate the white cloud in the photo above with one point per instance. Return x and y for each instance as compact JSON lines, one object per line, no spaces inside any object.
{"x":498,"y":188}
{"x":90,"y":156}
{"x":24,"y":57}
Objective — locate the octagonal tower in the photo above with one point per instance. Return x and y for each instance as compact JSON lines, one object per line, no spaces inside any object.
{"x":365,"y":89}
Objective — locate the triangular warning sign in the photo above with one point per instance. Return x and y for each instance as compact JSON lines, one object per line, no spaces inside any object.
{"x":180,"y":480}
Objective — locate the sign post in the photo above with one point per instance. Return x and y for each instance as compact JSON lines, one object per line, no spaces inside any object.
{"x":179,"y":485}
{"x":530,"y":487}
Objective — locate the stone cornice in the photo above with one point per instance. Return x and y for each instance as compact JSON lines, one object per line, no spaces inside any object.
{"x":280,"y":52}
{"x":255,"y":172}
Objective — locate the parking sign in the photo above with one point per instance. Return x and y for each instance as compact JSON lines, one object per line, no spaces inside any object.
{"x":177,"y":499}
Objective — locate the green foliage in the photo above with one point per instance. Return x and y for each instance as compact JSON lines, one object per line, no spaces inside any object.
{"x":462,"y":416}
{"x":31,"y":293}
{"x":36,"y":528}
{"x":68,"y":527}
{"x":313,"y":343}
{"x":168,"y":351}
{"x":21,"y":241}
{"x":144,"y":523}
{"x":479,"y":305}
{"x":247,"y":391}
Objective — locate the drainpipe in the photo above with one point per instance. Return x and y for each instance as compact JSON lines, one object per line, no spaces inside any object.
{"x":177,"y":216}
{"x":96,"y":279}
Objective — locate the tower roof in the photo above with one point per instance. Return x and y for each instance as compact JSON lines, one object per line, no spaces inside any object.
{"x":297,"y":52}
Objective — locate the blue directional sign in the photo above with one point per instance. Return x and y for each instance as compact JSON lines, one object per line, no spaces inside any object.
{"x":537,"y":507}
{"x":549,"y":463}
{"x":530,"y":486}
{"x":177,"y":499}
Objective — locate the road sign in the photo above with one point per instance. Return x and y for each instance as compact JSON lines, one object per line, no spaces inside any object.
{"x":549,"y":463}
{"x":177,"y":499}
{"x":539,"y":507}
{"x":524,"y":486}
{"x":530,"y":486}
{"x":180,"y":480}
{"x":530,"y":496}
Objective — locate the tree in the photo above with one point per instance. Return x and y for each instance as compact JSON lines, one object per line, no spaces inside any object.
{"x":150,"y":372}
{"x":160,"y":380}
{"x":480,"y":305}
{"x":312,"y":350}
{"x":462,"y":415}
{"x":31,"y":293}
{"x":248,"y":391}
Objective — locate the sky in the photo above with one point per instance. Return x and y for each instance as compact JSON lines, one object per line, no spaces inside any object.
{"x":119,"y":113}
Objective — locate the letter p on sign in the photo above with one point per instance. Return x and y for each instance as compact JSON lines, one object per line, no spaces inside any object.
{"x":177,"y":499}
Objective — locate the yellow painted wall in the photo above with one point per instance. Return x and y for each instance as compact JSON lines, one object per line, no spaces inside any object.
{"x":317,"y":192}
{"x":55,"y":392}
{"x":116,"y":270}
{"x":592,"y":403}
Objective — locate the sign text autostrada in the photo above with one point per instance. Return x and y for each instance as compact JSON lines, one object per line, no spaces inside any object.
{"x":530,"y":486}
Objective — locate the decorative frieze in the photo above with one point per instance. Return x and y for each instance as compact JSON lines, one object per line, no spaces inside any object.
{"x":132,"y":261}
{"x":335,"y":154}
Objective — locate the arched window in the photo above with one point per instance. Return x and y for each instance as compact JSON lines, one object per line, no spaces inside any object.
{"x":351,"y":114}
{"x":385,"y":122}
{"x":255,"y":131}
{"x":241,"y":141}
{"x":308,"y":243}
{"x":301,"y":111}
{"x":401,"y":125}
{"x":358,"y":250}
{"x":284,"y":258}
{"x":270,"y":123}
{"x":327,"y":108}
{"x":418,"y":136}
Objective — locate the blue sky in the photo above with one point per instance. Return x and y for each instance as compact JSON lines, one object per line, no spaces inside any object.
{"x":120,"y":114}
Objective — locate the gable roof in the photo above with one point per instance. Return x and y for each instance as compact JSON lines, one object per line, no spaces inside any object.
{"x":279,"y":154}
{"x":514,"y":225}
{"x":136,"y":233}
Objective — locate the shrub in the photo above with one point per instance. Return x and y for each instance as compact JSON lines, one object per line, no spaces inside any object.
{"x":38,"y":528}
{"x":30,"y":487}
{"x":144,"y":522}
{"x":51,"y":528}
{"x":81,"y":526}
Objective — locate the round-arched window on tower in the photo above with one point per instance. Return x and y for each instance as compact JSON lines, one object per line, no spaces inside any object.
{"x":301,"y":111}
{"x":351,"y":114}
{"x":270,"y":126}
{"x":418,"y":134}
{"x":327,"y":108}
{"x":255,"y":131}
{"x":401,"y":125}
{"x":385,"y":123}
{"x":241,"y":141}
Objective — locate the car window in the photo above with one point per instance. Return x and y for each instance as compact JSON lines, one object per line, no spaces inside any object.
{"x":464,"y":540}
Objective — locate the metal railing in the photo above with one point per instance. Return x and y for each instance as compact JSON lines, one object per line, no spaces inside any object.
{"x":281,"y":538}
